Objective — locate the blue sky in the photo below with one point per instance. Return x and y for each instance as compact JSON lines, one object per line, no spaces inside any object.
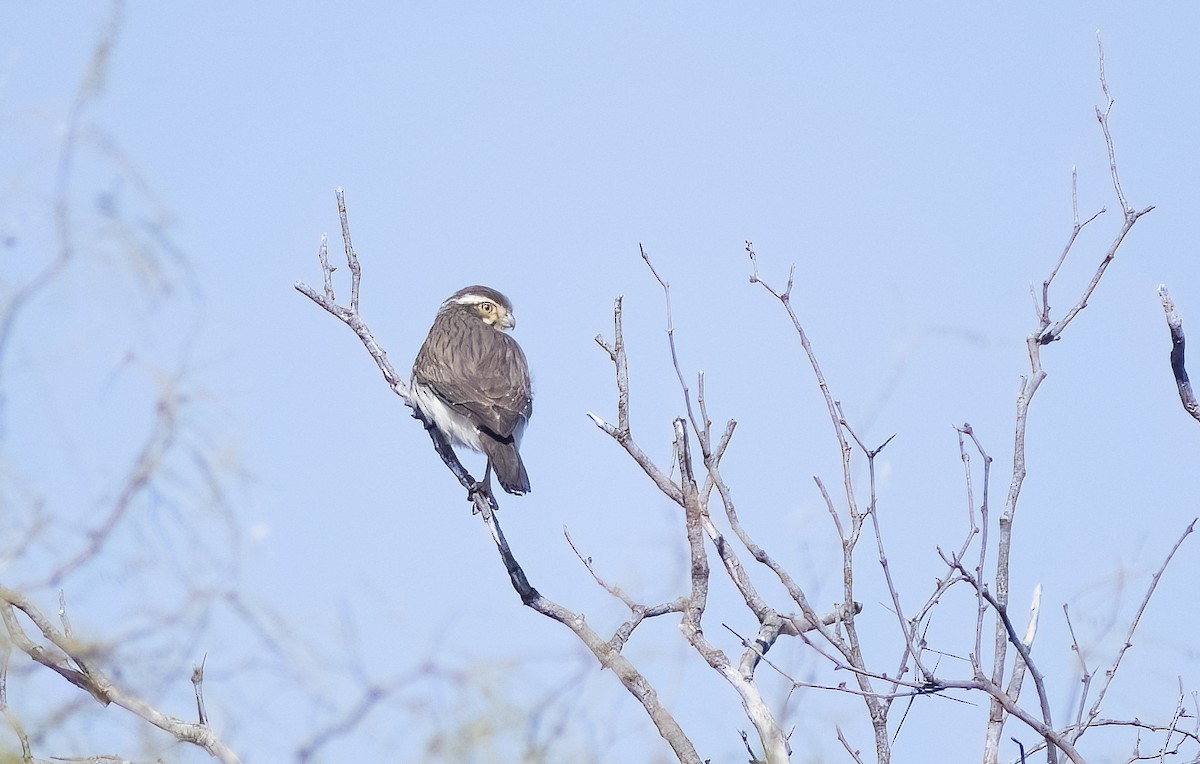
{"x":914,"y":162}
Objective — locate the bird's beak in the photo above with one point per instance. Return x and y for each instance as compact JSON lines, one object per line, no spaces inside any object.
{"x":509,"y":322}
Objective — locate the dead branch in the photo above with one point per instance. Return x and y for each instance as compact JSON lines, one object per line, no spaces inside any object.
{"x":1175,"y":324}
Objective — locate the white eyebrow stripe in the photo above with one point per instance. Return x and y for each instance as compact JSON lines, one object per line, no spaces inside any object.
{"x":471,"y":299}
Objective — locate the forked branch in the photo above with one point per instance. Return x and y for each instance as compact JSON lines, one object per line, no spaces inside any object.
{"x":1175,"y":325}
{"x":608,"y":654}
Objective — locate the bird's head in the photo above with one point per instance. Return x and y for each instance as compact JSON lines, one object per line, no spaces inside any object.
{"x":493,"y":308}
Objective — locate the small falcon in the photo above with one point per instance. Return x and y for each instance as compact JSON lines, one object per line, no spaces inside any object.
{"x":471,"y":380}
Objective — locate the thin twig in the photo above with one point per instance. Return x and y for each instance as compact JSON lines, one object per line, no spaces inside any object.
{"x":845,"y":744}
{"x":198,"y":686}
{"x":687,"y":397}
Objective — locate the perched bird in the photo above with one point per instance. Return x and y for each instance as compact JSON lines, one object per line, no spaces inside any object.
{"x":471,"y":380}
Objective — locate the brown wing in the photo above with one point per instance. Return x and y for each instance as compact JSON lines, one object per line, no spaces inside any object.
{"x":478,"y":370}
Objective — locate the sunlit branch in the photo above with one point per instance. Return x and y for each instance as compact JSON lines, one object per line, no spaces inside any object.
{"x":1175,"y":324}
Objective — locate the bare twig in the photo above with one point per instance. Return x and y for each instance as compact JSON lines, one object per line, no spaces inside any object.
{"x":639,"y":612}
{"x":350,"y":315}
{"x":1076,"y":228}
{"x":198,"y":686}
{"x":1130,"y":215}
{"x":1010,"y":707}
{"x":687,"y":397}
{"x":609,"y":656}
{"x":907,"y":629}
{"x":845,"y":744}
{"x":622,"y":432}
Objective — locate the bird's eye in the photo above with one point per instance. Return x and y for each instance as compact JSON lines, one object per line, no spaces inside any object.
{"x":487,"y":307}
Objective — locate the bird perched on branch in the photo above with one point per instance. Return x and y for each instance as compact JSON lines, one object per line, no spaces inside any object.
{"x":471,"y":380}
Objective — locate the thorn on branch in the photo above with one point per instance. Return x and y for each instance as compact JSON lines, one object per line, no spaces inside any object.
{"x":198,"y":685}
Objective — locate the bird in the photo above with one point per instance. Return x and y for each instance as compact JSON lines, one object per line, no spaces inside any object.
{"x":471,"y":381}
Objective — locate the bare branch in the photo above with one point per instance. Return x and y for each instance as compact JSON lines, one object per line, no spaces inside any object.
{"x":785,"y":299}
{"x":639,"y":612}
{"x":687,"y":396}
{"x":1130,"y":215}
{"x":1175,"y":324}
{"x":1023,"y":647}
{"x":1044,"y":312}
{"x":842,"y":739}
{"x":198,"y":685}
{"x":350,"y":315}
{"x":622,"y":433}
{"x":1054,"y":737}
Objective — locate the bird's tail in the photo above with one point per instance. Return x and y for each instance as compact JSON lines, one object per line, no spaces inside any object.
{"x":505,"y":461}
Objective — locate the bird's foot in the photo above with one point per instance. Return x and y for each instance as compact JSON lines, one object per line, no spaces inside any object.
{"x":481,"y":491}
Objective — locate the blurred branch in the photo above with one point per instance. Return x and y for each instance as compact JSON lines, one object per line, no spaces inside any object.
{"x":91,"y":85}
{"x":72,"y":660}
{"x":1175,"y":324}
{"x":147,"y":464}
